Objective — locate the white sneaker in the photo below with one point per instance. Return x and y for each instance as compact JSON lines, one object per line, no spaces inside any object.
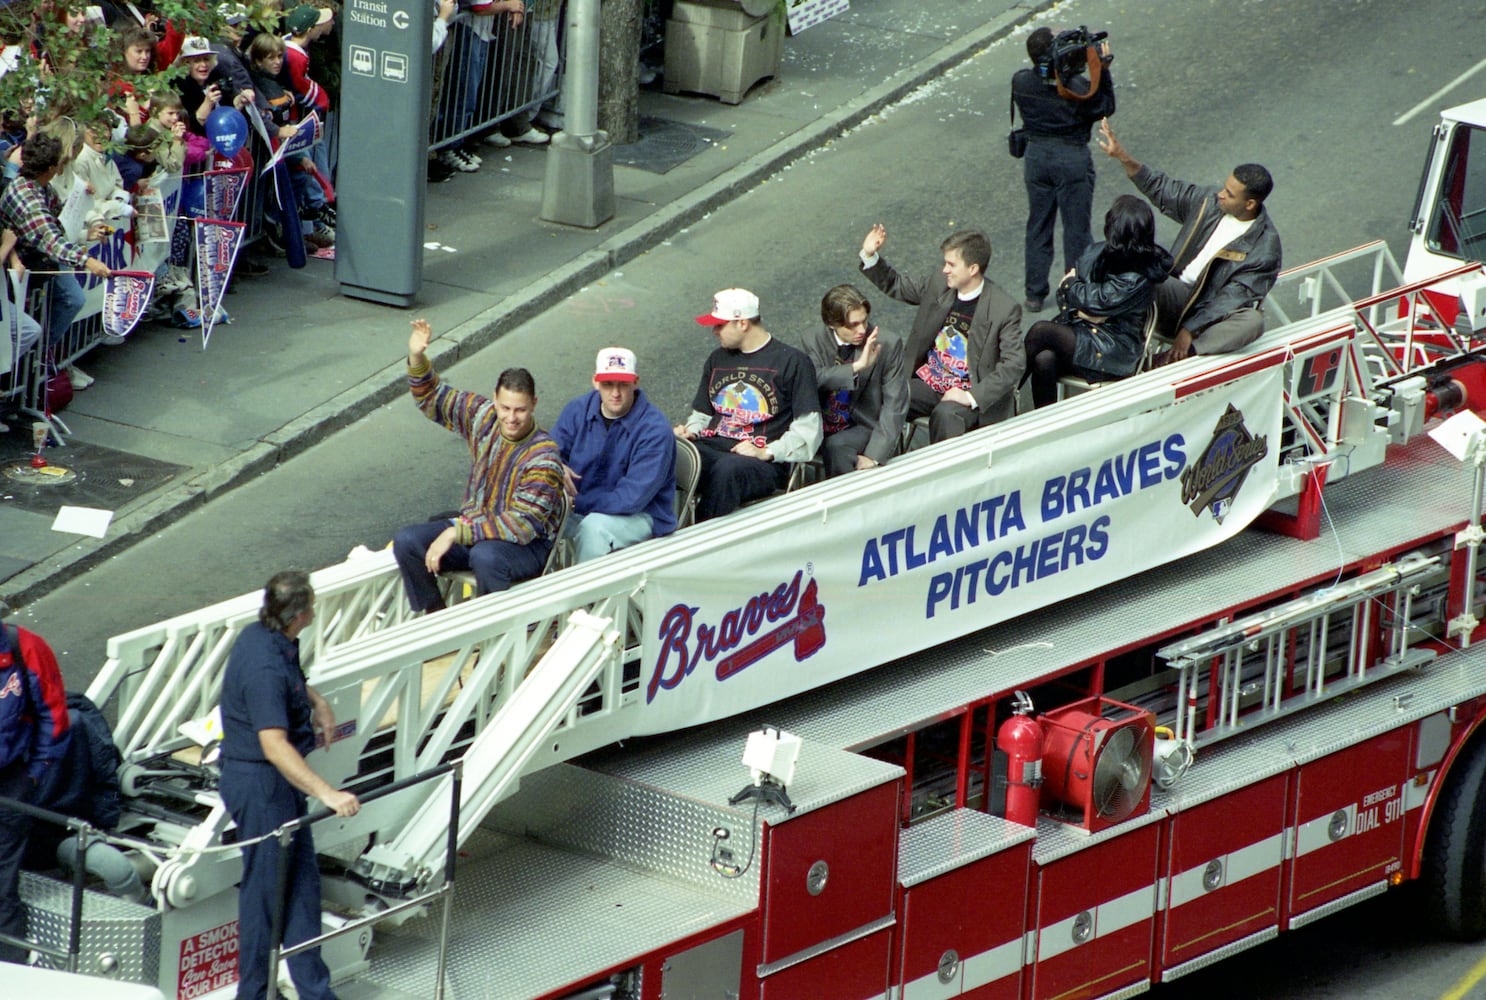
{"x":533,"y":137}
{"x":497,"y":140}
{"x":472,"y":157}
{"x":455,"y":159}
{"x":80,"y":379}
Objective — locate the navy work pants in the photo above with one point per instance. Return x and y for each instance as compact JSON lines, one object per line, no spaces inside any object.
{"x":261,"y":801}
{"x":14,"y":828}
{"x":1060,"y":180}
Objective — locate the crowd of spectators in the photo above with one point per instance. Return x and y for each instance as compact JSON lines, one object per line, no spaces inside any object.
{"x":276,"y":61}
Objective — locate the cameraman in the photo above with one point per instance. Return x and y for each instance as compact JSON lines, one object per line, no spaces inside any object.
{"x":1057,"y":168}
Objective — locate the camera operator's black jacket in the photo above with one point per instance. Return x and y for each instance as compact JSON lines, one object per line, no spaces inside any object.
{"x":1239,"y":276}
{"x":1045,"y":115}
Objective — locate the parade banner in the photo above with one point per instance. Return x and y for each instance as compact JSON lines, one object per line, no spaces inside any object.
{"x":126,"y":294}
{"x":223,"y":189}
{"x":217,"y":242}
{"x":987,"y":542}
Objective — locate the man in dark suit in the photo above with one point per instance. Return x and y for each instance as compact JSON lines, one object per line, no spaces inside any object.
{"x":863,"y":384}
{"x":965,"y":350}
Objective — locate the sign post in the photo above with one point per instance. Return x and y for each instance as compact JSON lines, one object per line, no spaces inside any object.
{"x":383,"y":168}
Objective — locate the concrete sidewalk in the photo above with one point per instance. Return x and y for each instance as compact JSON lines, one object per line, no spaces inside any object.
{"x":169,"y":425}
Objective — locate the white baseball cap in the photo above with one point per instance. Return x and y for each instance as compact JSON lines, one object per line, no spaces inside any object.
{"x":615,"y":364}
{"x":730,"y":304}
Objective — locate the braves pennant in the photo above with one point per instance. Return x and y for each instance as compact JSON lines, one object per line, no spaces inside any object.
{"x":217,"y":242}
{"x":223,"y":190}
{"x":126,"y":294}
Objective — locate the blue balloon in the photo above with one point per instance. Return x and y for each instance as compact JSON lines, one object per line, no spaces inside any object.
{"x":227,"y":130}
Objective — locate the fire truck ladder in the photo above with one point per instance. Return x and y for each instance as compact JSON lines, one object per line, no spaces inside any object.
{"x":420,"y":690}
{"x":1266,"y":666}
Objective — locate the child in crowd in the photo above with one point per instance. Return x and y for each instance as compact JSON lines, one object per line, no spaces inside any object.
{"x":266,"y":57}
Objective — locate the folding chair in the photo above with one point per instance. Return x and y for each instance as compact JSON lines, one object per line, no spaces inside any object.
{"x":688,"y":471}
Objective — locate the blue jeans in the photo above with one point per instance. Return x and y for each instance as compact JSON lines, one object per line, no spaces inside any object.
{"x":496,"y":564}
{"x":64,"y":301}
{"x":599,"y":534}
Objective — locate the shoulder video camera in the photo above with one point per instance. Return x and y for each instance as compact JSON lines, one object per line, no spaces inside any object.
{"x":1070,"y":52}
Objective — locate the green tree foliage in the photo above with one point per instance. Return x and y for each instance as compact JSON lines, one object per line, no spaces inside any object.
{"x":65,"y":63}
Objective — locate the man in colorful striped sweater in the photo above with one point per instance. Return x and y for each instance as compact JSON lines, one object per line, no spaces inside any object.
{"x":509,"y":518}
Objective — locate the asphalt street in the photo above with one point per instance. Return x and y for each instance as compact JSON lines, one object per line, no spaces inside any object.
{"x":1310,"y":89}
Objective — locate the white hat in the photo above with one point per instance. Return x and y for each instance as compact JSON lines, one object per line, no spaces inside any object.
{"x":730,"y":304}
{"x":193,"y":46}
{"x":615,"y":364}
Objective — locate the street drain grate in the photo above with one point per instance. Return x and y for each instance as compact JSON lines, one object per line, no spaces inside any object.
{"x":665,"y":144}
{"x":101,"y":477}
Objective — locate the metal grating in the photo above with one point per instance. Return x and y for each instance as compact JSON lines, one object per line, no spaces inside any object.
{"x":665,"y":144}
{"x":120,"y":940}
{"x":952,"y":840}
{"x":508,"y":898}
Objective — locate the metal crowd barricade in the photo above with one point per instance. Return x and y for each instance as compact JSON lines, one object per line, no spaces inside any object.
{"x":481,"y":83}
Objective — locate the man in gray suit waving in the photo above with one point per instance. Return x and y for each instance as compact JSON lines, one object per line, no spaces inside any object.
{"x":965,"y":350}
{"x":863,"y":384}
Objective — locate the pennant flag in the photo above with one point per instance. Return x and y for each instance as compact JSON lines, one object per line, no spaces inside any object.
{"x":223,"y":189}
{"x":217,"y":241}
{"x":126,"y":294}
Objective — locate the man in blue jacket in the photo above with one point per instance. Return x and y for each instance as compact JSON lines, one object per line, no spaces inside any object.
{"x":619,"y":460}
{"x":33,"y":736}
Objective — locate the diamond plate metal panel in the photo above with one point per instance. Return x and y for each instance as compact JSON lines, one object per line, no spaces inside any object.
{"x":636,"y":825}
{"x":952,"y":840}
{"x":120,"y":940}
{"x":706,"y":764}
{"x":528,"y":919}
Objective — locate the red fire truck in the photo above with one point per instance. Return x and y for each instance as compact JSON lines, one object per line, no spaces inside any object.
{"x":1061,"y":709}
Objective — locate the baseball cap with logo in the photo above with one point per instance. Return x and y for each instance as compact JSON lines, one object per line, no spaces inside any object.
{"x":730,"y":304}
{"x":615,"y":364}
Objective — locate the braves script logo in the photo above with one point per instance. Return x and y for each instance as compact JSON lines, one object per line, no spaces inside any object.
{"x":1219,"y":472}
{"x":221,"y":249}
{"x":684,"y":642}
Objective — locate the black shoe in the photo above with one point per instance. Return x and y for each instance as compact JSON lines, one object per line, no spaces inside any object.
{"x":1032,"y":306}
{"x":247,"y":267}
{"x":438,"y":171}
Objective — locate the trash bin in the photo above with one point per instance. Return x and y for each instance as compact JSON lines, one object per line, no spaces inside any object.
{"x":721,"y":47}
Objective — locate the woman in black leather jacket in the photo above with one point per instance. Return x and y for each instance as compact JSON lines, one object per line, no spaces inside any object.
{"x":1099,"y":332}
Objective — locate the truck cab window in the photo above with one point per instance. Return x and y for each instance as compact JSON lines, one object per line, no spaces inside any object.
{"x":1457,"y":227}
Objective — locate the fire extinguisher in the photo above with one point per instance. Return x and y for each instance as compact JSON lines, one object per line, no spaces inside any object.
{"x":1020,"y":738}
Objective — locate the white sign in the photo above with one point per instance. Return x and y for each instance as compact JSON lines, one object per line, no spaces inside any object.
{"x":1040,"y":525}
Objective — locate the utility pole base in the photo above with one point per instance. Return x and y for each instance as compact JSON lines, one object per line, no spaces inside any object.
{"x":579,"y":186}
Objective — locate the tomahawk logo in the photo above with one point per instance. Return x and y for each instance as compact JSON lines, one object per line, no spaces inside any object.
{"x":799,"y":624}
{"x":1215,"y":478}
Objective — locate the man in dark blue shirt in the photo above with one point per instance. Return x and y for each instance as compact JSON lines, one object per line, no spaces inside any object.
{"x":270,"y":718}
{"x":619,"y":460}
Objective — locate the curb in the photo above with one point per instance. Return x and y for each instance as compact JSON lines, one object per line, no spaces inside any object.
{"x":387,"y":384}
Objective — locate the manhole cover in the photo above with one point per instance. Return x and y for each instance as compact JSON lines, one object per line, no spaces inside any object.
{"x":47,"y":475}
{"x":665,"y":144}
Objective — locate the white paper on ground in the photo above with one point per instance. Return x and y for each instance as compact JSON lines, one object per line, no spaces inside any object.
{"x":83,"y":521}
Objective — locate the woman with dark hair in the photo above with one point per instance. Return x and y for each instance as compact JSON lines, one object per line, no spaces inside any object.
{"x":1103,"y":302}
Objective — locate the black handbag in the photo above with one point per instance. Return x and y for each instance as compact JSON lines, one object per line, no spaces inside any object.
{"x":1016,"y":139}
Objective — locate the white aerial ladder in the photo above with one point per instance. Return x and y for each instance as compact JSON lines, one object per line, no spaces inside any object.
{"x":1359,"y":355}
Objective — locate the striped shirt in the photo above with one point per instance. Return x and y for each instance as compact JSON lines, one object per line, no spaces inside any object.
{"x":515,"y":487}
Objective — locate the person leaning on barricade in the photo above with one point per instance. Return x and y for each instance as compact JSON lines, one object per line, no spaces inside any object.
{"x":29,"y":209}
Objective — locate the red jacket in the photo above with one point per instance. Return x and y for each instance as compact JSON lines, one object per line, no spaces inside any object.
{"x":33,"y":703}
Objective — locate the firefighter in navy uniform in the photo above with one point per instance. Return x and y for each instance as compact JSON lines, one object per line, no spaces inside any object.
{"x":270,"y":721}
{"x":33,"y":735}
